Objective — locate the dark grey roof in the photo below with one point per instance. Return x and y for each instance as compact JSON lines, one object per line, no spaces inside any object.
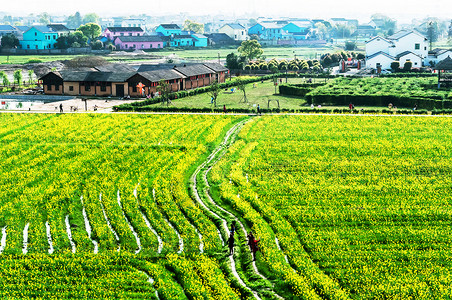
{"x":138,"y":39}
{"x":183,"y":36}
{"x":122,"y":29}
{"x":220,"y":38}
{"x":445,"y":64}
{"x":402,"y":33}
{"x":380,"y":53}
{"x":405,"y":53}
{"x":115,"y":68}
{"x":96,"y":76}
{"x":164,"y":74}
{"x":58,"y":27}
{"x":22,"y":28}
{"x":235,"y":26}
{"x":194,"y":70}
{"x":216,"y":67}
{"x":170,"y":26}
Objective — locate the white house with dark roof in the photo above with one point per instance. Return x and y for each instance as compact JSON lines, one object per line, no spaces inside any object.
{"x":401,"y":46}
{"x":236,"y":32}
{"x":437,"y":55}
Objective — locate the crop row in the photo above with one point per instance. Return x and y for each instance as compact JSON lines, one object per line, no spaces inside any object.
{"x":360,"y":205}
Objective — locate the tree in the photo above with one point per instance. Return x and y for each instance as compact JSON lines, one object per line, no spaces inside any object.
{"x":4,"y":77}
{"x":233,"y":61}
{"x":193,"y":26}
{"x":350,"y":45}
{"x":74,"y":21}
{"x":407,"y":66}
{"x":74,"y":39}
{"x":44,"y":18}
{"x":18,"y":76}
{"x":91,"y":30}
{"x":250,"y":49}
{"x":449,"y":36}
{"x":241,"y":85}
{"x":342,"y":31}
{"x":90,"y":18}
{"x":214,"y":92}
{"x":30,"y":76}
{"x":164,"y":90}
{"x":322,"y":31}
{"x":9,"y":40}
{"x":97,"y":45}
{"x":395,"y":65}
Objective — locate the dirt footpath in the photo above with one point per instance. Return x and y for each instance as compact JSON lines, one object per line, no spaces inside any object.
{"x":75,"y":105}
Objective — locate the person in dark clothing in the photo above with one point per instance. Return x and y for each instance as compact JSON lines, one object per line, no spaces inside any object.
{"x":231,"y":242}
{"x":258,"y":109}
{"x":254,"y":244}
{"x":224,"y":108}
{"x":61,"y":107}
{"x":233,"y":227}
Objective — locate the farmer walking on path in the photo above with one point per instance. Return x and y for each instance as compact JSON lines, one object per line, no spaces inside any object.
{"x":231,"y":242}
{"x":254,"y":244}
{"x":61,"y":107}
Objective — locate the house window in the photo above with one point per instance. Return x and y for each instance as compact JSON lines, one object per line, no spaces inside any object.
{"x":87,"y":87}
{"x":126,"y":46}
{"x":425,"y":48}
{"x":122,"y":33}
{"x":28,"y":46}
{"x":159,"y":46}
{"x":417,"y":46}
{"x":142,"y":45}
{"x":71,"y":88}
{"x":415,"y":63}
{"x":57,"y":87}
{"x":36,"y":34}
{"x":134,"y":89}
{"x":49,"y":87}
{"x":103,"y":88}
{"x":130,"y":34}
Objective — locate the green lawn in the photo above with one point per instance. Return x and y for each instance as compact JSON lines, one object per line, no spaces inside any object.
{"x":260,"y":94}
{"x":191,"y":54}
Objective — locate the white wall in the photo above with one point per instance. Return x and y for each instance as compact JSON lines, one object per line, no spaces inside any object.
{"x":408,"y":42}
{"x":383,"y":60}
{"x":376,"y":45}
{"x":416,"y":60}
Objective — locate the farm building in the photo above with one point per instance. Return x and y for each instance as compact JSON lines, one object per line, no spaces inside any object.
{"x":124,"y":82}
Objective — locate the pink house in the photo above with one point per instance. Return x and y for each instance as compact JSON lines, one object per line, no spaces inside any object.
{"x":112,"y":32}
{"x":139,"y":42}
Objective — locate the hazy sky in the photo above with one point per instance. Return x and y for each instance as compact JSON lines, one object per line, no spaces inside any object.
{"x":404,"y":10}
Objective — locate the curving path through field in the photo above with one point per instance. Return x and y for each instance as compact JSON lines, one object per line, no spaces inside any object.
{"x":204,"y":169}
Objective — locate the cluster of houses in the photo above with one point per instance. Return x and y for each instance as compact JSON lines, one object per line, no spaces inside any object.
{"x":124,"y":81}
{"x":403,"y":46}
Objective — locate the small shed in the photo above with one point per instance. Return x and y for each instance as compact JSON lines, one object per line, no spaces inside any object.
{"x":444,"y":69}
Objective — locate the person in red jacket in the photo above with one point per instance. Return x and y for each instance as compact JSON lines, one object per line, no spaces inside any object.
{"x":254,"y":244}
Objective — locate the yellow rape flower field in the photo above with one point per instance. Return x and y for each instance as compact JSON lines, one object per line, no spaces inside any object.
{"x":141,"y":206}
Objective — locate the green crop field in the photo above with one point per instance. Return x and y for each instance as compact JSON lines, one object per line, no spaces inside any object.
{"x":140,"y":206}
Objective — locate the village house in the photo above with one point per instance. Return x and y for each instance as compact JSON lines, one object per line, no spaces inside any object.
{"x":235,"y":31}
{"x":436,"y":55}
{"x":139,"y":42}
{"x":112,"y":32}
{"x":168,"y":29}
{"x":39,"y":37}
{"x":123,"y":81}
{"x":402,"y":46}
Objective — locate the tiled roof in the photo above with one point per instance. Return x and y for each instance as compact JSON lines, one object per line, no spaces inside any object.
{"x":380,"y":53}
{"x":170,"y":26}
{"x":405,"y":53}
{"x":96,"y":76}
{"x":7,"y":28}
{"x":43,"y":29}
{"x":163,"y":74}
{"x":143,"y":38}
{"x":58,"y":27}
{"x":445,"y":64}
{"x":194,"y":70}
{"x":216,"y":67}
{"x":125,"y":29}
{"x":235,"y":26}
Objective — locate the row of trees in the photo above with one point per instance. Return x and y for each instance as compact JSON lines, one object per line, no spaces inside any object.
{"x":81,"y":37}
{"x":18,"y":77}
